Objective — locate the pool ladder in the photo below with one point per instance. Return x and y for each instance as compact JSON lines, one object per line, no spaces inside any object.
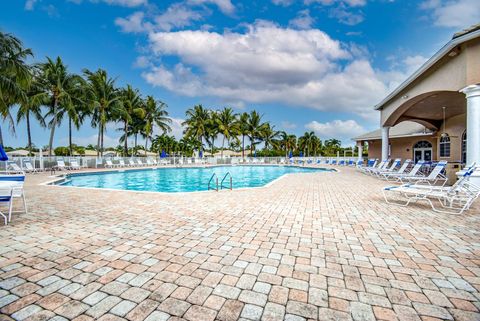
{"x":214,"y":181}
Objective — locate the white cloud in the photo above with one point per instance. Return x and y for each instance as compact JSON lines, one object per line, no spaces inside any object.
{"x":412,"y":63}
{"x":176,"y":126}
{"x":123,"y":3}
{"x":176,"y":16}
{"x":346,"y":16}
{"x":133,"y":23}
{"x":351,"y":3}
{"x":30,"y":4}
{"x":108,"y":141}
{"x":284,"y":3}
{"x":303,"y":20}
{"x":453,"y":13}
{"x":339,"y":129}
{"x":268,"y":64}
{"x":225,"y":6}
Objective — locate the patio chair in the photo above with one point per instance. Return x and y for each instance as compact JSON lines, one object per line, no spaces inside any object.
{"x":453,"y":200}
{"x":132,"y":163}
{"x":401,"y":171}
{"x":149,"y":162}
{"x":341,"y":162}
{"x":433,"y":178}
{"x":109,"y":164}
{"x":6,"y":197}
{"x":334,"y":162}
{"x":14,"y":168}
{"x":14,"y":183}
{"x":375,"y":166}
{"x":61,"y":166}
{"x":414,"y":172}
{"x":140,"y":163}
{"x":390,"y":169}
{"x":74,"y":165}
{"x":28,"y":167}
{"x":121,"y":163}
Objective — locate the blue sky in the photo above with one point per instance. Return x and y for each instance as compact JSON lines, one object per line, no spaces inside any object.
{"x":305,"y":64}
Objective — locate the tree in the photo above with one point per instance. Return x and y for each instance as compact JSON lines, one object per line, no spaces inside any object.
{"x":133,"y":107}
{"x":155,"y":114}
{"x":227,"y":125}
{"x":254,"y":129}
{"x":243,"y":129}
{"x":332,"y":146}
{"x":211,"y":130}
{"x":30,"y":106}
{"x":104,"y":100}
{"x":61,"y":92}
{"x":196,"y":122}
{"x":270,"y":136}
{"x":15,"y":76}
{"x":288,"y":142}
{"x":306,"y":142}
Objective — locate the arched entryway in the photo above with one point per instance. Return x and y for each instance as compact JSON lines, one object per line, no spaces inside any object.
{"x":422,"y":150}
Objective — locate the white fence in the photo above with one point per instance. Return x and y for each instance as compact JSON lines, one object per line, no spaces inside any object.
{"x":48,"y":163}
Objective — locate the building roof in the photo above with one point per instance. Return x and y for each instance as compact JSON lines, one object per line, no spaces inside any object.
{"x":18,"y":152}
{"x":458,"y":38}
{"x":403,"y":129}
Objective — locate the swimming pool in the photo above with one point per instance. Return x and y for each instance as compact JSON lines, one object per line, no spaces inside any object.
{"x":182,"y":179}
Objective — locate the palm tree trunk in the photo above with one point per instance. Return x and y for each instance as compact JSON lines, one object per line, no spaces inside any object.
{"x":29,"y":133}
{"x":52,"y":130}
{"x":146,"y":144}
{"x":125,"y":143}
{"x":70,"y":136}
{"x":101,"y":139}
{"x":243,"y":146}
{"x":223,"y":143}
{"x":1,"y":136}
{"x":98,"y":141}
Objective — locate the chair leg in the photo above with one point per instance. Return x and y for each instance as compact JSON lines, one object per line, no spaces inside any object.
{"x":5,"y":218}
{"x":24,"y":202}
{"x":10,"y":209}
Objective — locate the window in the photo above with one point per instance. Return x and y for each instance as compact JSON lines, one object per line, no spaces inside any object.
{"x":464,"y":147}
{"x":445,"y":145}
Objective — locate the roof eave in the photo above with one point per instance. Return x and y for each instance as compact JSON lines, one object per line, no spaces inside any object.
{"x":429,"y":63}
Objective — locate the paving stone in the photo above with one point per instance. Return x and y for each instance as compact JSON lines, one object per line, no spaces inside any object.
{"x":122,"y":308}
{"x":26,"y":312}
{"x":158,"y":316}
{"x":273,"y":312}
{"x":432,"y":311}
{"x":135,"y":294}
{"x":6,"y":300}
{"x":302,"y":309}
{"x":230,"y":311}
{"x":10,"y":283}
{"x":361,"y":312}
{"x":71,"y":309}
{"x":248,"y":296}
{"x":94,"y":298}
{"x":196,"y":312}
{"x":226,"y":291}
{"x":174,"y":307}
{"x":103,"y":306}
{"x":318,"y":297}
{"x":252,"y":312}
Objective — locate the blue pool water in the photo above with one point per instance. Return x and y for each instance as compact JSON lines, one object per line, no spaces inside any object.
{"x":182,"y":179}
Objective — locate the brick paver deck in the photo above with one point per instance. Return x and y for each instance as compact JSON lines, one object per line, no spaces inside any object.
{"x":317,"y":246}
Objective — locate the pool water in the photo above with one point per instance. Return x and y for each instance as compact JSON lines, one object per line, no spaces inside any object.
{"x":182,"y":179}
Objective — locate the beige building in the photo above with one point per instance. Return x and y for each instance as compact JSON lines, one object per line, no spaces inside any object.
{"x":435,"y":113}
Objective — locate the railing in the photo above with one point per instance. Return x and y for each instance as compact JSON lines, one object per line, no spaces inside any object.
{"x":216,"y":182}
{"x":46,"y":163}
{"x":223,"y":179}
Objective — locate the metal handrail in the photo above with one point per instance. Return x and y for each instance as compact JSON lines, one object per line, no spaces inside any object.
{"x":223,"y":179}
{"x":216,"y":182}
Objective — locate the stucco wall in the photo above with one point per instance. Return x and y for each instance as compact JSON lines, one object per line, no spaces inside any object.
{"x":403,"y":147}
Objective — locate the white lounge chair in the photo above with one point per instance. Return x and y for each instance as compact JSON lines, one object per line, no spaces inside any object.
{"x":149,"y":162}
{"x":14,"y":168}
{"x":61,"y":166}
{"x":140,"y":163}
{"x":390,"y":169}
{"x":375,"y":167}
{"x":109,"y":164}
{"x":132,"y":163}
{"x":15,"y":184}
{"x":121,"y":163}
{"x":29,"y":168}
{"x":401,"y":171}
{"x":74,"y":165}
{"x":413,"y":172}
{"x":433,"y":178}
{"x":452,"y":200}
{"x":6,"y":197}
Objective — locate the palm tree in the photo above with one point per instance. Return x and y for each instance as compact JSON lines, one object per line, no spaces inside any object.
{"x":30,"y":106}
{"x":332,"y":145}
{"x":270,"y":136}
{"x":243,"y":129}
{"x":211,"y":130}
{"x":61,"y":92}
{"x":306,"y":142}
{"x":155,"y":114}
{"x":133,"y":106}
{"x":14,"y":76}
{"x":227,"y":125}
{"x":196,"y":123}
{"x":254,"y":129}
{"x":104,"y":100}
{"x":316,"y":145}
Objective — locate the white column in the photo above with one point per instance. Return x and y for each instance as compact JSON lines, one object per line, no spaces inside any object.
{"x":472,"y":94}
{"x":360,"y":150}
{"x":385,"y":132}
